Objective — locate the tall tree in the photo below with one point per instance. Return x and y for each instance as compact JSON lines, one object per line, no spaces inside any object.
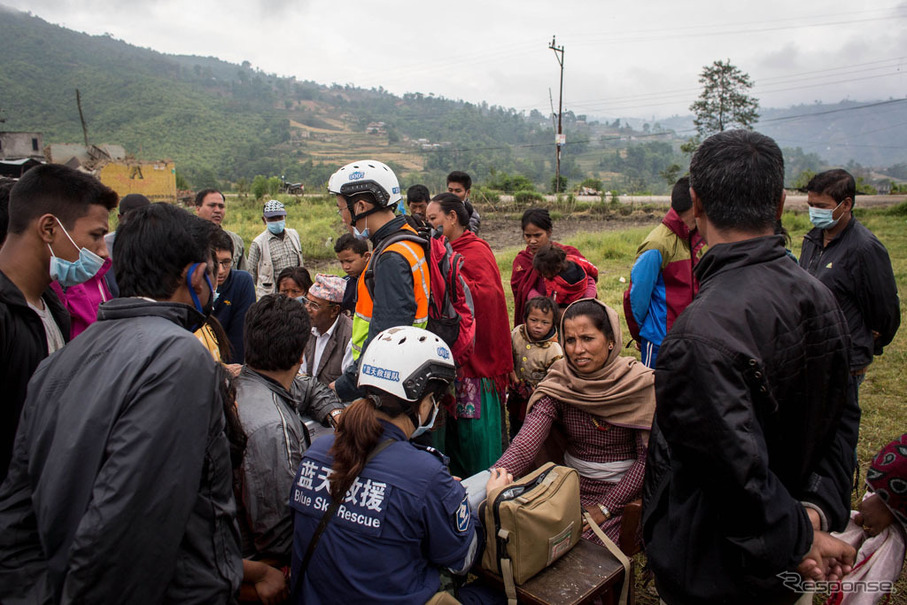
{"x":724,"y":102}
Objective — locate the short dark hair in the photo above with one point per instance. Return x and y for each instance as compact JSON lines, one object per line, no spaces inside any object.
{"x":58,"y":190}
{"x":837,"y":183}
{"x":155,"y":245}
{"x":201,"y":195}
{"x":681,"y":201}
{"x":739,"y":177}
{"x":451,"y":203}
{"x":6,"y":185}
{"x":220,"y":240}
{"x":595,"y":312}
{"x":300,"y":275}
{"x":417,"y":193}
{"x":542,"y":303}
{"x":538,"y":217}
{"x":549,"y":260}
{"x":348,"y":241}
{"x":458,"y":176}
{"x":275,"y":333}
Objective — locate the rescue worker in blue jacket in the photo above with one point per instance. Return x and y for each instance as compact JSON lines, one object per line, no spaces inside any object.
{"x":401,"y":516}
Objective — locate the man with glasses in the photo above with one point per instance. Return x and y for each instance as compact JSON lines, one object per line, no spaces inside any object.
{"x":330,"y":350}
{"x":235,"y":294}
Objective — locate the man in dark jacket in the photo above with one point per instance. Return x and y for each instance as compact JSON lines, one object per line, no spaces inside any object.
{"x":273,"y":404}
{"x":120,"y":487}
{"x":751,"y":456}
{"x":845,"y":256}
{"x":57,"y":223}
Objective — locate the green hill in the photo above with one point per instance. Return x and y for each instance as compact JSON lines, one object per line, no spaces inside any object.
{"x":222,"y":122}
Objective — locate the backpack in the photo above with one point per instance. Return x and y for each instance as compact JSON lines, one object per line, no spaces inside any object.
{"x":451,"y":312}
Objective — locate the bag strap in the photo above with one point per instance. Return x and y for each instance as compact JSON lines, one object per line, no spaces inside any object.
{"x":400,"y":236}
{"x":507,"y":574}
{"x":616,"y":551}
{"x":329,"y":514}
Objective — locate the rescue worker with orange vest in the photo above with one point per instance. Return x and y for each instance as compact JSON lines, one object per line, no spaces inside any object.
{"x":367,"y":194}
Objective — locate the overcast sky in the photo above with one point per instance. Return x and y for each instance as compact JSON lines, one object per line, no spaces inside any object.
{"x":630,"y":59}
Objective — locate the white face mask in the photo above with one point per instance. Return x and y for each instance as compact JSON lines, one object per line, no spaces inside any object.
{"x":423,"y":428}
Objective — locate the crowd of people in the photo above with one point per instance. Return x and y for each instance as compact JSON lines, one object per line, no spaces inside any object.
{"x":185,"y":422}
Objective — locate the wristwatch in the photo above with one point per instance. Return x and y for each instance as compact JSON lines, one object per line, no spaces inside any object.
{"x":605,"y":511}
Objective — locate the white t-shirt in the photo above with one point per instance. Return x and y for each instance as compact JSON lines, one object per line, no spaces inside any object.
{"x":52,"y":331}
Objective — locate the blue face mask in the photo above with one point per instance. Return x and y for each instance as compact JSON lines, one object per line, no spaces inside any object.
{"x":823,"y":218}
{"x":277,"y":227}
{"x":69,"y":273}
{"x":361,"y":234}
{"x":426,"y":427}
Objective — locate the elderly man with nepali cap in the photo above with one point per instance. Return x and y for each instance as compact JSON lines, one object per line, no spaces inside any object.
{"x":329,"y":351}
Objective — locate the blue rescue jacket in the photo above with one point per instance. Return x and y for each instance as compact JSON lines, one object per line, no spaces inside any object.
{"x":403,"y":518}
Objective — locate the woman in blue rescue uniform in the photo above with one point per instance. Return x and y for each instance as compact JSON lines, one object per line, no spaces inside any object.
{"x":402,"y":517}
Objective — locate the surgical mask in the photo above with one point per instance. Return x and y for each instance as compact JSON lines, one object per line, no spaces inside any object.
{"x":822,"y":217}
{"x":277,"y":227}
{"x":72,"y":273}
{"x":361,"y":234}
{"x":421,"y":429}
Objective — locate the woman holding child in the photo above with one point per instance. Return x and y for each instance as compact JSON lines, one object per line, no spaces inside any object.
{"x":474,"y":435}
{"x":525,"y":281}
{"x":604,"y":403}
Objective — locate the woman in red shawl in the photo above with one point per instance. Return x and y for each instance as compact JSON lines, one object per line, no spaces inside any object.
{"x":474,"y":436}
{"x":525,"y":281}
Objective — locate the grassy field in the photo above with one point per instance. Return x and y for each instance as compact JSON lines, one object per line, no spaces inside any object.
{"x":613,"y":252}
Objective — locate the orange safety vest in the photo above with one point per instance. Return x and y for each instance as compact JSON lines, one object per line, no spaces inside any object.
{"x":415,"y":256}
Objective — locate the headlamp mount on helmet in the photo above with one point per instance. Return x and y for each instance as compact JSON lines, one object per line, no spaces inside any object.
{"x":415,"y":386}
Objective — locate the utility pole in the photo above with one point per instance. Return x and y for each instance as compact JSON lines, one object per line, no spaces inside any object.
{"x":560,"y":139}
{"x":82,"y":117}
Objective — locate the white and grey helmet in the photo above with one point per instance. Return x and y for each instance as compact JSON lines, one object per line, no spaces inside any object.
{"x":402,"y":361}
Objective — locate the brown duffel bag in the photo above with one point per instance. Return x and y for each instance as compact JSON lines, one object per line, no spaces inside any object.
{"x":531,"y":523}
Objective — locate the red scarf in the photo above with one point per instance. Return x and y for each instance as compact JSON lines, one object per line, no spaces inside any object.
{"x":492,"y":356}
{"x":524,"y":278}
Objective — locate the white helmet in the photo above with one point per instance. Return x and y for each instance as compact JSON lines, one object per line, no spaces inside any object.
{"x":369,"y":176}
{"x":401,"y":361}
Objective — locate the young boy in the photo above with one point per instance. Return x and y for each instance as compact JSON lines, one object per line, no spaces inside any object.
{"x":566,"y":276}
{"x":353,"y":255}
{"x":535,"y":348}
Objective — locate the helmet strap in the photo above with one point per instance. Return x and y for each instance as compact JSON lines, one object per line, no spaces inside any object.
{"x":355,"y":218}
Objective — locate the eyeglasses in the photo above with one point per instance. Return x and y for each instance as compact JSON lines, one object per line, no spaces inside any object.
{"x":225,"y":264}
{"x":310,"y":303}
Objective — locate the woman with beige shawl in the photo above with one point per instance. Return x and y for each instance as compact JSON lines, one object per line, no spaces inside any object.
{"x":602,"y":403}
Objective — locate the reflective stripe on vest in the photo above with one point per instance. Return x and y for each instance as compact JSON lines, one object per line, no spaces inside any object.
{"x":415,"y":256}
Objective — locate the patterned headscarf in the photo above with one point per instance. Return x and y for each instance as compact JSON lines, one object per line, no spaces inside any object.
{"x":887,"y":476}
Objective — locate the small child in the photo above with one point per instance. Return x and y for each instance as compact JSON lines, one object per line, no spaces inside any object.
{"x":566,"y":276}
{"x":535,"y":348}
{"x":353,"y":255}
{"x":877,"y":529}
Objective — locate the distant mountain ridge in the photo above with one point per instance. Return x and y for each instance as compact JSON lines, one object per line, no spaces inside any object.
{"x":222,"y":121}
